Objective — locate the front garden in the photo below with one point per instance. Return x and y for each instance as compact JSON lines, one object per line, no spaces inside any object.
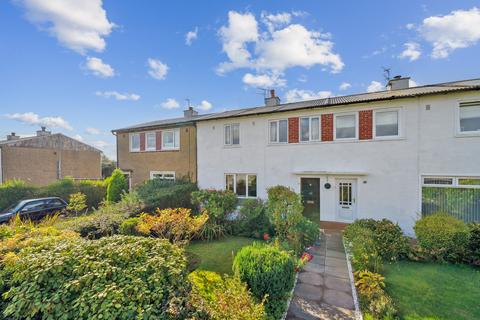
{"x":165,"y":250}
{"x":435,"y":276}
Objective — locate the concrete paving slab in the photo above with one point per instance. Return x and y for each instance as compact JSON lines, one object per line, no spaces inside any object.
{"x":312,"y":278}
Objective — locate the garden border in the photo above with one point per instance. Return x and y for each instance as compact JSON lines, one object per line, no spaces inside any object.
{"x":291,"y":297}
{"x":358,"y":312}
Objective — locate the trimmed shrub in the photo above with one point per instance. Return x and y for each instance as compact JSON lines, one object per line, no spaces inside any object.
{"x":176,"y":225}
{"x":117,"y":185}
{"x":13,"y":191}
{"x":442,"y":237}
{"x":473,"y":248}
{"x":118,"y":277}
{"x":223,"y":299}
{"x":252,"y":219}
{"x":94,"y":190}
{"x":269,"y":272}
{"x":161,"y":194}
{"x":284,"y":208}
{"x":129,"y":227}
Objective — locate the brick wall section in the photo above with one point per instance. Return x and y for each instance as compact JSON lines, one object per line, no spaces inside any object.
{"x":158,"y":136}
{"x":366,"y":123}
{"x":142,"y":141}
{"x":327,"y":127}
{"x":293,"y":130}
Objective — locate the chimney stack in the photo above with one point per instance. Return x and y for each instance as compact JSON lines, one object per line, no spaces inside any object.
{"x":43,"y":132}
{"x":189,"y":113}
{"x":398,"y":83}
{"x":273,"y":100}
{"x":12,"y":137}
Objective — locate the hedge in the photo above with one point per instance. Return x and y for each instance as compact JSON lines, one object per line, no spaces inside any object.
{"x":161,"y":194}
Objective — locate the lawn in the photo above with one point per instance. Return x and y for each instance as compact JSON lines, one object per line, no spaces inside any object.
{"x":218,"y":255}
{"x":434,"y":291}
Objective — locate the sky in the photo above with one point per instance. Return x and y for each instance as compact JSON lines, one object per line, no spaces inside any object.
{"x":83,"y":68}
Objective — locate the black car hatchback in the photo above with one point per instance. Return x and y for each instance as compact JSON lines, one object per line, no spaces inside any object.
{"x":33,"y":209}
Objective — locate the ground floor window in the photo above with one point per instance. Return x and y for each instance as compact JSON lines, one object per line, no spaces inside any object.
{"x":458,"y":196}
{"x":163,"y":175}
{"x":243,"y":185}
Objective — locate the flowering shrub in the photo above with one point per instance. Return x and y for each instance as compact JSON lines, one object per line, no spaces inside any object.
{"x":223,"y":299}
{"x":304,"y":259}
{"x":176,"y":225}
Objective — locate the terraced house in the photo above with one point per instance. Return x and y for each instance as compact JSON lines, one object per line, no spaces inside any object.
{"x":394,"y":154}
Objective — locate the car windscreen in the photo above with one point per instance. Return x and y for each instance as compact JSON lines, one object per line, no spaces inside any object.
{"x":14,"y":207}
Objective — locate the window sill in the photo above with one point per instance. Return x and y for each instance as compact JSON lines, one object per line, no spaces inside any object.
{"x":226,"y":146}
{"x":467,"y":134}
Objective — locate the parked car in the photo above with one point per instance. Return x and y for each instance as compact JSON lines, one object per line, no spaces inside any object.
{"x":33,"y":209}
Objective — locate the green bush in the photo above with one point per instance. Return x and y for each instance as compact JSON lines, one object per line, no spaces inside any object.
{"x":117,"y":185}
{"x":217,"y":203}
{"x":269,"y":272}
{"x":117,"y":277}
{"x":442,"y":236}
{"x":223,"y":299}
{"x":129,"y":227}
{"x":77,"y":202}
{"x":284,"y":208}
{"x":473,"y":248}
{"x":13,"y":191}
{"x":95,"y":190}
{"x":308,"y":233}
{"x":161,"y":194}
{"x":363,"y":248}
{"x":252,"y":219}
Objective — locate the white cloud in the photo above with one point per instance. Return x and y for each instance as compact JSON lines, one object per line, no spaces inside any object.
{"x":99,"y":68}
{"x":410,"y":26}
{"x":241,"y":29}
{"x":34,"y":119}
{"x":277,"y":49}
{"x":411,"y":51}
{"x":375,"y":86}
{"x":77,"y":25}
{"x":118,"y":95}
{"x":78,"y":137}
{"x":158,"y":70}
{"x":170,"y":103}
{"x":301,"y":95}
{"x":100,"y":144}
{"x":204,"y":105}
{"x":459,"y":29}
{"x":263,"y":80}
{"x":344,"y":86}
{"x":190,"y":36}
{"x":92,"y":131}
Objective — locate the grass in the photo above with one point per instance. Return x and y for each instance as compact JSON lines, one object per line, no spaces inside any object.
{"x":218,"y":255}
{"x":434,"y":291}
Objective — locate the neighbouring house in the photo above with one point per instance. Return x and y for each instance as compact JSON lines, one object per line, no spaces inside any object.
{"x":164,"y":149}
{"x":46,"y":157}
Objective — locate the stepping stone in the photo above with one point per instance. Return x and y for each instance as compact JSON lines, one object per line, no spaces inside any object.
{"x":311,"y":278}
{"x":338,"y":298}
{"x":309,"y":292}
{"x":338,"y":284}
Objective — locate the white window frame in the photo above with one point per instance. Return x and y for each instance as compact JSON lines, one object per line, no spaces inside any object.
{"x":235,"y":184}
{"x":230,"y":126}
{"x":130,"y":138}
{"x":176,"y":144}
{"x":163,"y":173}
{"x":459,"y":131}
{"x":455,"y":182}
{"x":277,"y":123}
{"x":335,"y":115}
{"x":154,"y":148}
{"x":319,"y":117}
{"x":399,"y":123}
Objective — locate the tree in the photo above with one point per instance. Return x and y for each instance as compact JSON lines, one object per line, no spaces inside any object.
{"x":107,"y":166}
{"x":117,"y":184}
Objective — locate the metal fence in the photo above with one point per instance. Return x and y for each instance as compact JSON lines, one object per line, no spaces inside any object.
{"x":462,"y":203}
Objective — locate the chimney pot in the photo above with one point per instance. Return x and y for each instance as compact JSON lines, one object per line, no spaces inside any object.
{"x":12,"y":137}
{"x":43,"y":132}
{"x":272,"y":93}
{"x":190,"y":112}
{"x":273,"y":100}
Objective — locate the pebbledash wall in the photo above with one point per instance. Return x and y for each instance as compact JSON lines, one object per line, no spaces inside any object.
{"x":387,"y":171}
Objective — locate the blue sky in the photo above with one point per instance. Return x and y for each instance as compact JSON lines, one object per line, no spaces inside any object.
{"x":84,"y":68}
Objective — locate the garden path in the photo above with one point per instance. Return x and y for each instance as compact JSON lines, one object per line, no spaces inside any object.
{"x":323,"y":290}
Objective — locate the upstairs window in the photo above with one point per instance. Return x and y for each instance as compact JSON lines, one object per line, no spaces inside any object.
{"x":346,"y":126}
{"x":310,"y":129}
{"x":232,"y":134}
{"x":470,"y":117}
{"x":134,"y":142}
{"x":279,"y":131}
{"x":243,"y":185}
{"x":171,"y":139}
{"x":386,"y":123}
{"x":151,"y":141}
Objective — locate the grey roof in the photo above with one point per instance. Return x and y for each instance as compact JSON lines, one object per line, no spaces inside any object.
{"x":51,"y":141}
{"x":439,"y":88}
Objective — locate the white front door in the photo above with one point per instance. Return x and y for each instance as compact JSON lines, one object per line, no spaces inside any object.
{"x":346,"y":199}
